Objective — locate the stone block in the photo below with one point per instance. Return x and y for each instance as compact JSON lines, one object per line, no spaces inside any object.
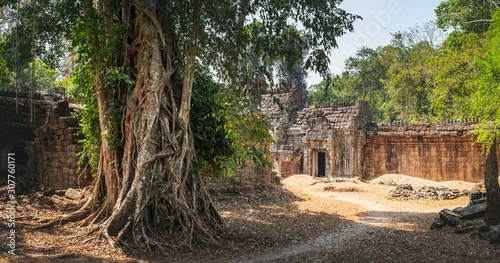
{"x":73,"y":194}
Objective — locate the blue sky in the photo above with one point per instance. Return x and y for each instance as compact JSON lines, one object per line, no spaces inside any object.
{"x":380,"y":19}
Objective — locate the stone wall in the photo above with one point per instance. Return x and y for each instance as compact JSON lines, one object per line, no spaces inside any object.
{"x":52,"y":154}
{"x":288,"y":162}
{"x":438,"y":152}
{"x":243,"y":179}
{"x":16,"y":130}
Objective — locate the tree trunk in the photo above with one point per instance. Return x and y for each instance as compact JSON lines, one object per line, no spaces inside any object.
{"x":492,"y":215}
{"x":149,"y":182}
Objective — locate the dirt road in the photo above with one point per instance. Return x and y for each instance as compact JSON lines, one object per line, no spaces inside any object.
{"x":390,"y":231}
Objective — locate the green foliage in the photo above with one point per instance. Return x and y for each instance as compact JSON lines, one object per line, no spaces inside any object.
{"x":409,"y":82}
{"x":466,"y":16}
{"x":50,"y":18}
{"x":208,"y":121}
{"x":225,"y":138}
{"x":486,"y":103}
{"x":454,"y":70}
{"x":45,"y":78}
{"x":114,"y":75}
{"x":82,"y":81}
{"x":96,"y":55}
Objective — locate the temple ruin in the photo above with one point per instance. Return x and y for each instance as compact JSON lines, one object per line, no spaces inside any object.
{"x":336,"y":140}
{"x":332,"y":140}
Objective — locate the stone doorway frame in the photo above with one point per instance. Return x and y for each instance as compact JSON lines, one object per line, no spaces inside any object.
{"x":313,"y":162}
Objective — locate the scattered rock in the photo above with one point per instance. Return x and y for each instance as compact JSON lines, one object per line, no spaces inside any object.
{"x":495,"y":234}
{"x":473,"y":211}
{"x":73,"y":194}
{"x":408,"y":192}
{"x":464,"y":230}
{"x":332,"y":188}
{"x":484,"y":228}
{"x":450,"y":218}
{"x":359,"y":179}
{"x":436,"y":223}
{"x":329,"y":187}
{"x":339,"y":180}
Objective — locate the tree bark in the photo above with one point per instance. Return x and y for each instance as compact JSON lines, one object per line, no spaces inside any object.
{"x":149,"y":182}
{"x":492,"y":214}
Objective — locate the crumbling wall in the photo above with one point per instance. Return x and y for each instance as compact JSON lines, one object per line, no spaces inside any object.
{"x":16,"y":129}
{"x":438,"y":152}
{"x":243,"y":179}
{"x":53,"y":153}
{"x":288,"y":162}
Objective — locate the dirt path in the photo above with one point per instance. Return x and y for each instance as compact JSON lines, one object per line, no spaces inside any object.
{"x":299,"y":221}
{"x":382,"y":216}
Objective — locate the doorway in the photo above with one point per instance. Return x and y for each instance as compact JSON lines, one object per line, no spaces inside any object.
{"x":321,"y":164}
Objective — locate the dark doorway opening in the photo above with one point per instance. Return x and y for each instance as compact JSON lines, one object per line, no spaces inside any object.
{"x":321,"y":164}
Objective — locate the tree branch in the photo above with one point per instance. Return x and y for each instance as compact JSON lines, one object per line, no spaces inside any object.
{"x":479,"y":20}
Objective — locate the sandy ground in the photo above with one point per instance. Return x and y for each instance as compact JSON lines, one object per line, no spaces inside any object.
{"x":296,"y":222}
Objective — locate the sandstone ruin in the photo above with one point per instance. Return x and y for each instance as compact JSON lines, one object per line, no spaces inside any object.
{"x":332,"y":140}
{"x":336,"y":140}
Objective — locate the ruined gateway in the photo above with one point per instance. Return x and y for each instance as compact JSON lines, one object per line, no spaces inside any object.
{"x":336,"y":140}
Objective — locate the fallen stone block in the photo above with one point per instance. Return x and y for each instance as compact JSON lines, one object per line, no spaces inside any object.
{"x":473,"y":211}
{"x":436,"y":223}
{"x":464,"y":230}
{"x":458,"y":210}
{"x":484,"y":228}
{"x":477,"y":201}
{"x":475,"y":195}
{"x":449,"y":217}
{"x":495,"y":234}
{"x":73,"y":194}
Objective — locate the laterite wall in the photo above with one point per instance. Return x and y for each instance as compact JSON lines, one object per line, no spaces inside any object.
{"x":439,"y":152}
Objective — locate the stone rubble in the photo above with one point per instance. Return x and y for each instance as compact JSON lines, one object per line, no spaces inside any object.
{"x":408,"y":192}
{"x":53,"y":156}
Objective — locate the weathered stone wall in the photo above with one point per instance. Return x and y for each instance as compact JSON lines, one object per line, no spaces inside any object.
{"x":348,"y":153}
{"x":52,"y":154}
{"x":16,"y":131}
{"x":439,"y":152}
{"x":243,"y":179}
{"x":288,"y":162}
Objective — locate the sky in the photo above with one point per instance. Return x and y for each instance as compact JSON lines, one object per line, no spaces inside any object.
{"x":380,"y":19}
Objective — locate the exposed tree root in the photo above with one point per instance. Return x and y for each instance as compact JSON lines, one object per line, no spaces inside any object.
{"x":148,"y":183}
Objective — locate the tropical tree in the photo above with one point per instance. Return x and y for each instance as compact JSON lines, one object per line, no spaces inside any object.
{"x":136,"y":68}
{"x":466,"y":16}
{"x":477,"y":75}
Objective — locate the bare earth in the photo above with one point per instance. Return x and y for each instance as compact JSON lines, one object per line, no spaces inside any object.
{"x":296,"y":222}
